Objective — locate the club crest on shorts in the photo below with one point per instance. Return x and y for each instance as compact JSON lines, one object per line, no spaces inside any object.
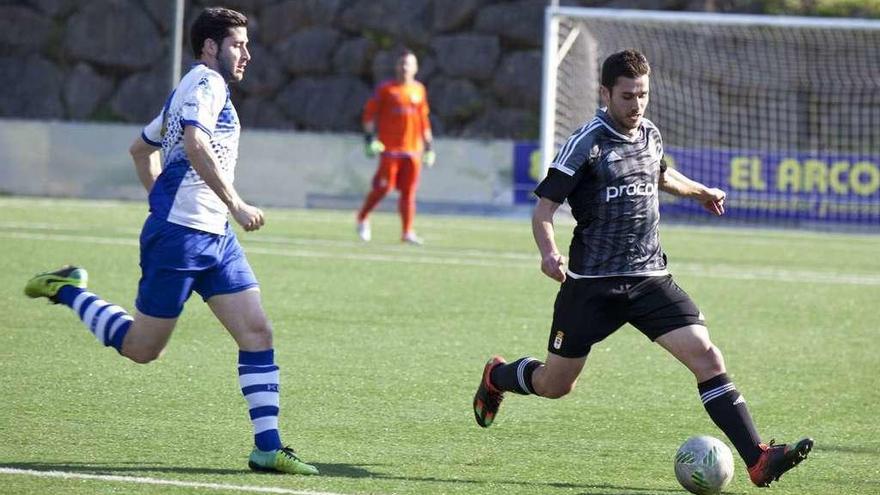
{"x":557,"y":341}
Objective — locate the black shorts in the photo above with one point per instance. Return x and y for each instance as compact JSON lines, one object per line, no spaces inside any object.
{"x":589,"y":309}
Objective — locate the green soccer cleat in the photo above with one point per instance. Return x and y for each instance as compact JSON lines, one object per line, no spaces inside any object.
{"x":49,"y":283}
{"x":279,"y":461}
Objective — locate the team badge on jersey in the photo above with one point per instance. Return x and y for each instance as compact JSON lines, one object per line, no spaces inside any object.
{"x":613,"y":157}
{"x":415,"y":98}
{"x":557,"y":341}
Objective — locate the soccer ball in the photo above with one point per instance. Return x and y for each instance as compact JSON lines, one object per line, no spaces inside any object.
{"x":704,"y":465}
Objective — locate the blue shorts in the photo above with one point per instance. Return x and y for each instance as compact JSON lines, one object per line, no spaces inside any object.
{"x":177,"y":260}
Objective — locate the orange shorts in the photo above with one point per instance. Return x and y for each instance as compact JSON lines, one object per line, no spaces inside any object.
{"x":399,"y":172}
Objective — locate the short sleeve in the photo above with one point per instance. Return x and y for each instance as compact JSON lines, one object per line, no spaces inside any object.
{"x":152,"y":133}
{"x":204,"y":102}
{"x":655,"y":141}
{"x":577,"y":151}
{"x":557,"y":185}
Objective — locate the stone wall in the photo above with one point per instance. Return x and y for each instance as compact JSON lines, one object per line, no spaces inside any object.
{"x":314,"y":63}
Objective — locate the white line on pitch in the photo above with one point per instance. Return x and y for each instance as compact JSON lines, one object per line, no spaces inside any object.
{"x":729,"y":272}
{"x":261,"y":238}
{"x":159,"y":481}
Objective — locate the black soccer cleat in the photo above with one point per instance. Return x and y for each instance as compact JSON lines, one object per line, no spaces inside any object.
{"x":776,"y":460}
{"x":488,"y":399}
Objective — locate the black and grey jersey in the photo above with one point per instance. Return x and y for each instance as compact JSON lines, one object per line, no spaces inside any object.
{"x":611,"y":182}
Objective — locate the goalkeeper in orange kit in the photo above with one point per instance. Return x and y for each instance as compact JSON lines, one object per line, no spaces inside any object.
{"x":396,"y":127}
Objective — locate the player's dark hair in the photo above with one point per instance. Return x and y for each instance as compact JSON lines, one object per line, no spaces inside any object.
{"x":214,"y":23}
{"x":628,"y":63}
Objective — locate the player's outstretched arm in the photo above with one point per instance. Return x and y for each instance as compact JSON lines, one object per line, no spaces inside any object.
{"x":201,"y":157}
{"x":674,"y":182}
{"x":552,"y":263}
{"x":147,"y":163}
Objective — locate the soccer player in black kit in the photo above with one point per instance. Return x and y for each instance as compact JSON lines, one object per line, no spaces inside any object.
{"x":610,"y":171}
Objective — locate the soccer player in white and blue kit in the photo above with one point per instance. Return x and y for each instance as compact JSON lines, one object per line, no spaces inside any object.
{"x":186,"y":243}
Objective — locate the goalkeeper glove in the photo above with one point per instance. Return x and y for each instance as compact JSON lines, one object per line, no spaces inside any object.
{"x":372,"y":146}
{"x":428,"y":156}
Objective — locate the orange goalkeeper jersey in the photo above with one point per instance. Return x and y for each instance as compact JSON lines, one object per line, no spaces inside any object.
{"x":400,"y":112}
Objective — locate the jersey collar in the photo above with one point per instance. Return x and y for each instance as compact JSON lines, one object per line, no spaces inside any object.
{"x":605,"y":119}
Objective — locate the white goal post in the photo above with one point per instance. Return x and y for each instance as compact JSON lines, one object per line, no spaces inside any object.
{"x":783,"y":110}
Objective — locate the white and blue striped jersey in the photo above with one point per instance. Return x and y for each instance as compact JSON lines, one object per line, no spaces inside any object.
{"x":611,"y":182}
{"x":179,"y":195}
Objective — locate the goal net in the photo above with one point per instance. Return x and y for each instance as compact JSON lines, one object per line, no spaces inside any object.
{"x":781,"y":112}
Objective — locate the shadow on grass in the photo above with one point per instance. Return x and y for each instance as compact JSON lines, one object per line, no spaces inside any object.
{"x":847,"y":449}
{"x":349,"y":471}
{"x":327,"y":470}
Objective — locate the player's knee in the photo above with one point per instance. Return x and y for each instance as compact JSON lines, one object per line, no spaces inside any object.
{"x":382,"y":189}
{"x":714,"y":359}
{"x":709,"y":364}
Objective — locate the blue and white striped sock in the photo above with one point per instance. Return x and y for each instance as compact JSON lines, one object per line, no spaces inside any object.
{"x":258,"y":377}
{"x":108,"y":322}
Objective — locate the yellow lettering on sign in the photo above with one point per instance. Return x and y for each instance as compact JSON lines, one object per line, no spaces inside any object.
{"x":756,"y":175}
{"x":868,"y":187}
{"x":745,"y":173}
{"x":815,"y":176}
{"x":834,"y":177}
{"x":739,"y":172}
{"x":788,"y":176}
{"x":536,"y":167}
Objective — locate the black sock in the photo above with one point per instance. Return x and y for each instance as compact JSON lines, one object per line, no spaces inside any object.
{"x":516,"y":376}
{"x":728,"y":410}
